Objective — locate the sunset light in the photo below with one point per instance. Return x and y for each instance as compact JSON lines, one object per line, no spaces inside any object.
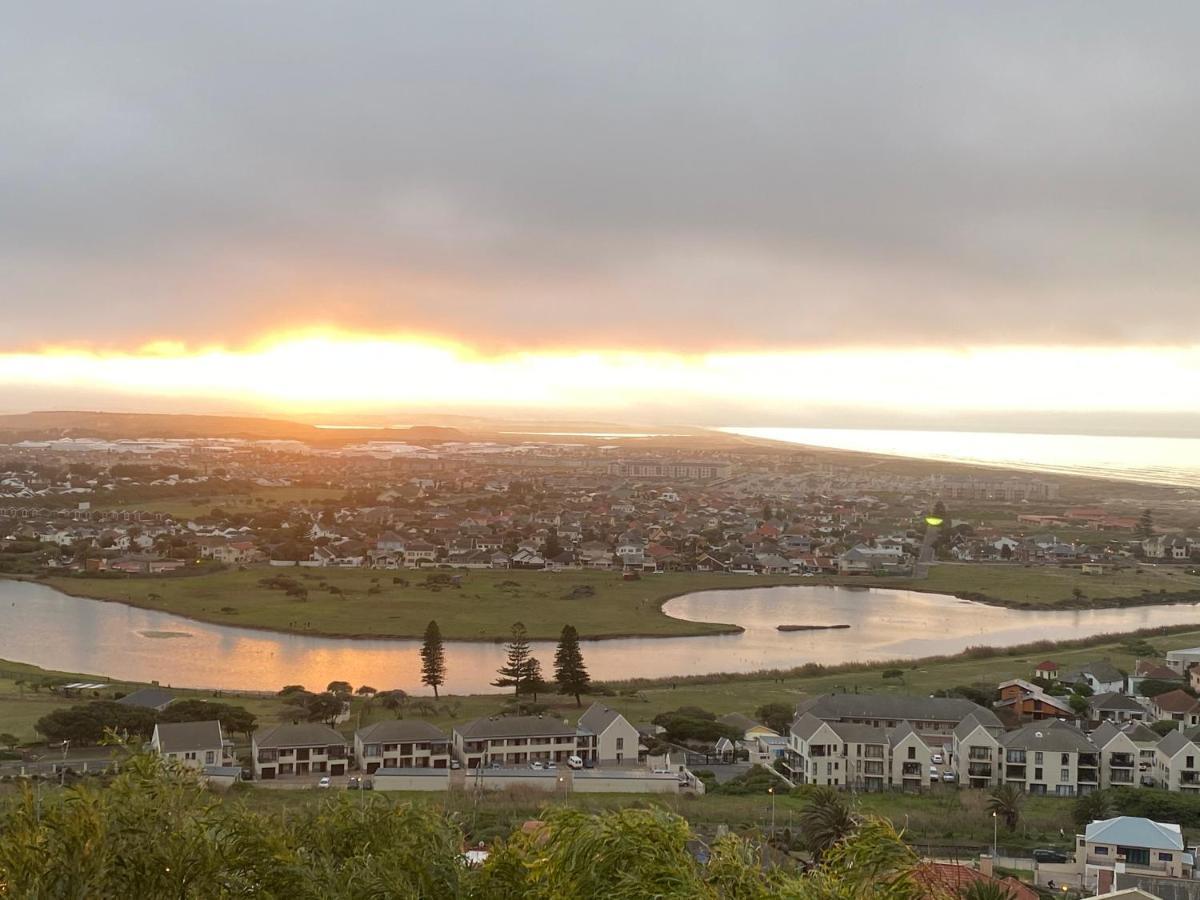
{"x":346,"y":371}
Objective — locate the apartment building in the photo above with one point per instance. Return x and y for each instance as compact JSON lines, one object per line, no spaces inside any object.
{"x":1121,"y":760}
{"x":930,"y":717}
{"x":1176,"y":758}
{"x":1132,"y":845}
{"x":851,"y":754}
{"x":977,"y":753}
{"x":1051,"y":758}
{"x":617,"y":741}
{"x":401,"y":744}
{"x":310,"y":748}
{"x":520,"y":740}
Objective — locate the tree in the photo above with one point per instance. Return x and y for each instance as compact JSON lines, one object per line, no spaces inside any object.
{"x":776,"y":716}
{"x":8,"y":740}
{"x":825,"y":821}
{"x":988,"y":890}
{"x":87,"y":723}
{"x":339,"y":688}
{"x":433,"y":658}
{"x":367,"y":693}
{"x":533,"y":683}
{"x":1078,"y":704}
{"x":569,"y":671}
{"x":324,"y":707}
{"x":553,"y":546}
{"x":1091,"y":808}
{"x":1005,"y":801}
{"x":1145,"y":526}
{"x":289,"y":689}
{"x":393,"y":701}
{"x":233,"y":719}
{"x":513,"y":671}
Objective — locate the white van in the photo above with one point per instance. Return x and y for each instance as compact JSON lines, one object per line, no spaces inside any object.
{"x":574,"y":762}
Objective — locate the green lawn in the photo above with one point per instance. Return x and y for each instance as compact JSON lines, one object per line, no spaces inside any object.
{"x":599,"y":604}
{"x":1052,"y":585}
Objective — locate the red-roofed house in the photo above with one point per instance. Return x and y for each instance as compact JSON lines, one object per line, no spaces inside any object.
{"x":1178,"y":706}
{"x":950,"y":880}
{"x":1047,"y":670}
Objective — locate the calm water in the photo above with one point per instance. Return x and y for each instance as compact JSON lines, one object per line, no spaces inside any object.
{"x":1153,"y":459}
{"x":42,"y":626}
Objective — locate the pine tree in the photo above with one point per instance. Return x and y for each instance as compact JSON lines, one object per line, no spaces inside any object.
{"x":1146,"y":523}
{"x":533,"y":683}
{"x":569,"y":671}
{"x":433,"y":657}
{"x":512,"y":673}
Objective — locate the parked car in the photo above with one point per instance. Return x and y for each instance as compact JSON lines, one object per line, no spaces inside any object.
{"x":1049,"y":856}
{"x":589,"y":763}
{"x":324,"y":782}
{"x":551,"y":765}
{"x":933,"y":774}
{"x":949,"y":776}
{"x":574,"y":762}
{"x":936,"y":758}
{"x":536,"y":765}
{"x":455,"y":764}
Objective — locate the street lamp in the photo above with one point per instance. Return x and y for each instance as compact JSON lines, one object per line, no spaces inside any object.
{"x":771,"y":791}
{"x":995,"y":827}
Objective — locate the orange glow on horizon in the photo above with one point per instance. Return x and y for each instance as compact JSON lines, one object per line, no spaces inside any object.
{"x":326,"y":369}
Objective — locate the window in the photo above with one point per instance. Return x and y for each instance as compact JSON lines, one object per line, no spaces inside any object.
{"x":912,"y":752}
{"x":1191,"y":763}
{"x":1064,"y":775}
{"x":1164,"y":857}
{"x":1066,"y":759}
{"x":1135,"y":856}
{"x":1037,"y":774}
{"x":620,"y":743}
{"x":1101,"y":851}
{"x":1037,"y":758}
{"x":210,"y":757}
{"x":191,"y":754}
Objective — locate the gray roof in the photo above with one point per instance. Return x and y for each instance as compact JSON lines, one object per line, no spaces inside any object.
{"x":1104,"y":733}
{"x":971,"y":722}
{"x":1101,"y":670}
{"x":174,"y":737}
{"x":401,"y":730}
{"x":1140,"y":733}
{"x":304,"y":734}
{"x":1174,"y":741}
{"x":1113,"y":700}
{"x":1048,"y":735}
{"x":895,"y":707}
{"x":597,"y":718}
{"x":1133,"y":831}
{"x":806,"y":726}
{"x":148,"y":697}
{"x":514,"y":726}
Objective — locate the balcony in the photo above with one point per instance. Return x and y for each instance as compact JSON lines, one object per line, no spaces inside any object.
{"x":1089,"y":760}
{"x":1121,"y":760}
{"x":983,"y":754}
{"x":911,"y":769}
{"x":872,"y":753}
{"x":1014,"y":773}
{"x":1089,"y":776}
{"x":979,"y":770}
{"x":1120,"y":776}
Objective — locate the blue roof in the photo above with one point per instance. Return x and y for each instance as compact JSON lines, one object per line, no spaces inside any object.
{"x":1133,"y":831}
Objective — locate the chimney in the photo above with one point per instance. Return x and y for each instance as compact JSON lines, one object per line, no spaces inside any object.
{"x":985,"y":864}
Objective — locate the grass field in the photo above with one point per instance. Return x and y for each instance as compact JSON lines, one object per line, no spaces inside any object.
{"x":1052,"y":586}
{"x":485,"y":606}
{"x":184,"y":507}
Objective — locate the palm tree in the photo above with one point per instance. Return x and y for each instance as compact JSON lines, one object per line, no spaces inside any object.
{"x":988,"y":890}
{"x":825,"y":821}
{"x":1005,"y":801}
{"x":1092,"y":807}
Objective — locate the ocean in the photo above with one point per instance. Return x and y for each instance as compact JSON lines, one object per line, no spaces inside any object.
{"x":1157,"y":460}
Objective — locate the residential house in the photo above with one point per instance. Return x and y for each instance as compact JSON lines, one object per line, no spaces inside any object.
{"x":419,"y":553}
{"x":1101,"y":676}
{"x":1178,"y":706}
{"x":955,"y":880}
{"x":865,"y":560}
{"x":1025,"y":700}
{"x":1111,"y":707}
{"x":311,"y":748}
{"x":1168,"y":546}
{"x":1132,"y":845}
{"x":192,"y":744}
{"x":1051,"y":758}
{"x":519,"y":740}
{"x":1179,"y":660}
{"x":748,"y":727}
{"x":1144,"y":669}
{"x":1047,"y":670}
{"x":401,"y":744}
{"x":616,"y":740}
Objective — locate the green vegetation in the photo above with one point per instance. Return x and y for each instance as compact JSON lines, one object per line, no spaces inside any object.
{"x":91,"y":840}
{"x":481,"y":604}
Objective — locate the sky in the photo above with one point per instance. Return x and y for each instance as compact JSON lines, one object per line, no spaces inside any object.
{"x":793,"y":212}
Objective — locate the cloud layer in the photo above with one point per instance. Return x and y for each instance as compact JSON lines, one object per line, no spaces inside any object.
{"x":687,"y":176}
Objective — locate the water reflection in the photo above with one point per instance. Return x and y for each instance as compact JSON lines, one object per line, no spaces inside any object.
{"x":42,"y":626}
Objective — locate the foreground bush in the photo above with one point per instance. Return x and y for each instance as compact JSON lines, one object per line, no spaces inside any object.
{"x":154,"y":832}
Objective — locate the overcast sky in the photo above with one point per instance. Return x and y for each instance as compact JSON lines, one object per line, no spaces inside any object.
{"x":687,"y":176}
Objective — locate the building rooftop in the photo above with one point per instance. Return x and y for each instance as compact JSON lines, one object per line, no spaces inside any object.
{"x":304,"y":734}
{"x":1133,"y":831}
{"x":401,"y":730}
{"x":515,"y":726}
{"x":176,"y":737}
